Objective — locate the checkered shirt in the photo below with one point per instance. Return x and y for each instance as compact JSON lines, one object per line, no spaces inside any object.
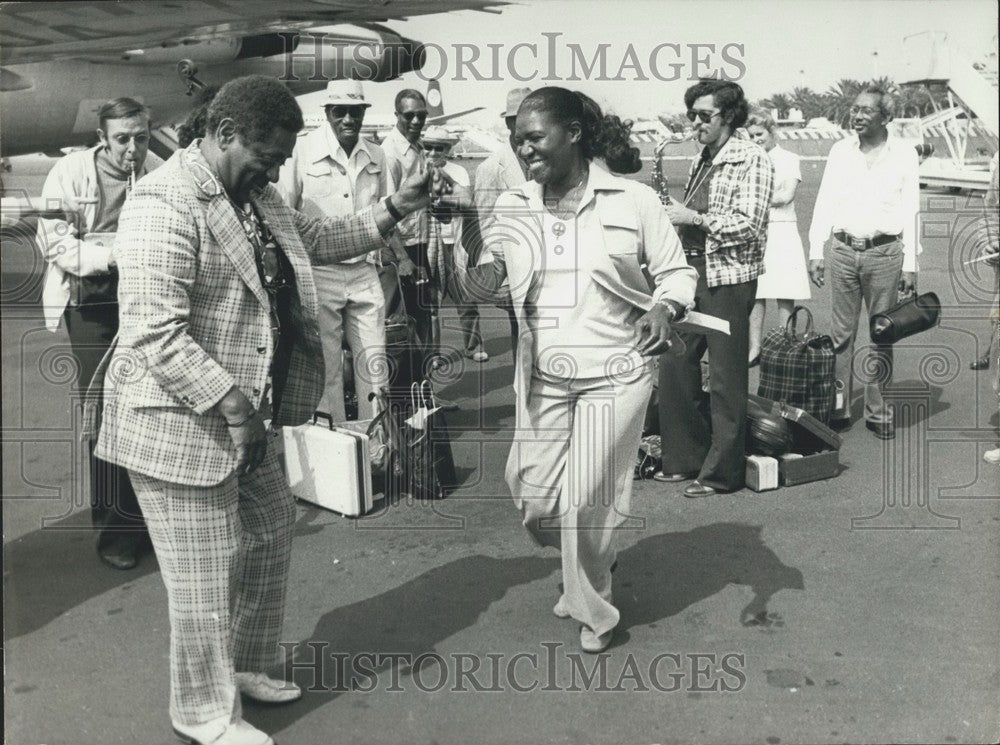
{"x":739,"y":200}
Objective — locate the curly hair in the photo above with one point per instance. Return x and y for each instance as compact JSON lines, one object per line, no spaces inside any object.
{"x":193,"y":125}
{"x":886,"y":101}
{"x":257,"y":104}
{"x":727,"y":95}
{"x":760,"y":118}
{"x":601,"y":136}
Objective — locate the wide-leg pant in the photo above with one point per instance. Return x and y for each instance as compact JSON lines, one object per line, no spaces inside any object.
{"x":872,"y":276}
{"x":224,"y":556}
{"x":351,"y":305}
{"x":707,"y":434}
{"x":570,"y":473}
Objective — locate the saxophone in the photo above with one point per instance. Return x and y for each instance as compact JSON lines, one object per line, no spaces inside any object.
{"x":658,"y":181}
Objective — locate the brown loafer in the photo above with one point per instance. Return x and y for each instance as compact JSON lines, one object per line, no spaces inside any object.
{"x":696,"y":490}
{"x":882,"y":431}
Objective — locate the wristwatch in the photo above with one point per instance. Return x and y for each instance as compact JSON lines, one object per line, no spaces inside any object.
{"x":697,"y":220}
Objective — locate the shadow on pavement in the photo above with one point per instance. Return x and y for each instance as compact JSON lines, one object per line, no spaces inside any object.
{"x":664,"y":574}
{"x":52,"y":570}
{"x":408,"y":620}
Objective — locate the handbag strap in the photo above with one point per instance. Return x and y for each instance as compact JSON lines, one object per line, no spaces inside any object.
{"x":415,"y":396}
{"x":427,"y":393}
{"x":790,"y":324}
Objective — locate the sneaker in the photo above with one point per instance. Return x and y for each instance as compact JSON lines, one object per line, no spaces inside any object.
{"x":992,"y":456}
{"x":478,"y":356}
{"x":266,"y":690}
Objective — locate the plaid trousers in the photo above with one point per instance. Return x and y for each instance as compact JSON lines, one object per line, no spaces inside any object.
{"x":224,"y":553}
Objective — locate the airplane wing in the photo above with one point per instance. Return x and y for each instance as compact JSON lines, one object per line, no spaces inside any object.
{"x":448,"y":117}
{"x":108,"y":31}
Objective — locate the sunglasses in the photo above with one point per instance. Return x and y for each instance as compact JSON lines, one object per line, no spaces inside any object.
{"x":435,"y":148}
{"x":339,"y":112}
{"x":411,"y":115}
{"x":703,"y":116}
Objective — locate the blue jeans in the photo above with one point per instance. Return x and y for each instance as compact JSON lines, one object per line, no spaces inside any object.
{"x":872,"y":276}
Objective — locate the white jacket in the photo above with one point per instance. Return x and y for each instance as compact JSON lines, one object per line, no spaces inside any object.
{"x":71,"y":186}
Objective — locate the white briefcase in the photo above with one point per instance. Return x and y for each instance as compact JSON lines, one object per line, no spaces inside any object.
{"x":329,"y":467}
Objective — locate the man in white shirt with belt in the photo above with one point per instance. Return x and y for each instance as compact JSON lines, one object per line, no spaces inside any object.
{"x":869,"y":201}
{"x":335,"y":172}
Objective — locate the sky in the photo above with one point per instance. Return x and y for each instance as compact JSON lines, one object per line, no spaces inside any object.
{"x":768,"y":46}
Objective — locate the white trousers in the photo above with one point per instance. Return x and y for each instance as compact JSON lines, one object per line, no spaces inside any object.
{"x":351,"y":305}
{"x":570,"y":473}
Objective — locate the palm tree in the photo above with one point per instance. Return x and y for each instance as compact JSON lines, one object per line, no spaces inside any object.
{"x":779,"y":101}
{"x":840,"y":97}
{"x":808,"y":101}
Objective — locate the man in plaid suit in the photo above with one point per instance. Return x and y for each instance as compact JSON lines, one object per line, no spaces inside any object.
{"x":722,"y":224}
{"x":217,"y":304}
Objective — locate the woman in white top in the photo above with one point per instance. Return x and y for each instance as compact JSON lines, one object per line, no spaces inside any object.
{"x":785,"y":278}
{"x":597,"y":274}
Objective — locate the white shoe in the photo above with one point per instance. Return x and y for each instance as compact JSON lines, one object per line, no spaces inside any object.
{"x":592,"y":643}
{"x":559,"y":610}
{"x":260,"y":687}
{"x":992,"y":456}
{"x":222,"y":733}
{"x":478,"y":356}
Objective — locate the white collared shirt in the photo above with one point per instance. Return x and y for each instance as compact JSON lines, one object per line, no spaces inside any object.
{"x":321,"y":180}
{"x":404,"y":159}
{"x":869,"y":200}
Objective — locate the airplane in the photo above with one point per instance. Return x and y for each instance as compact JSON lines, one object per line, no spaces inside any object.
{"x":378,"y":124}
{"x":60,"y":61}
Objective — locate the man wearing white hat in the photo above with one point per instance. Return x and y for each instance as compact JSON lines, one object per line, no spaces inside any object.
{"x":334,"y":172}
{"x":501,"y":171}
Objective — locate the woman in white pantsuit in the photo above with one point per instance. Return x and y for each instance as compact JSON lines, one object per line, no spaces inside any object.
{"x":573,"y":242}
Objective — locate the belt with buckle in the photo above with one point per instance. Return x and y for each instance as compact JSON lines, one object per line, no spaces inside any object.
{"x":863,"y":244}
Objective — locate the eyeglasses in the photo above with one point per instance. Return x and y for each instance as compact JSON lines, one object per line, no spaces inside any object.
{"x":703,"y":116}
{"x":866,"y":110}
{"x":411,"y":115}
{"x":339,"y":112}
{"x":435,"y":148}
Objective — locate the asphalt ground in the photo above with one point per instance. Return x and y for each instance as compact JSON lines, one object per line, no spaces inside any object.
{"x":857,"y":609}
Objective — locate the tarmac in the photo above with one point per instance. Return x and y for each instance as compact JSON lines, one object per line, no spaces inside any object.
{"x":863,"y":608}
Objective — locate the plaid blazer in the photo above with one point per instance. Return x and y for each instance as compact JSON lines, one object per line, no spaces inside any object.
{"x":195,"y":320}
{"x":739,"y":201}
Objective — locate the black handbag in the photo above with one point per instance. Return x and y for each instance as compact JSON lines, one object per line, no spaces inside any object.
{"x":915,"y":314}
{"x":426,"y":466}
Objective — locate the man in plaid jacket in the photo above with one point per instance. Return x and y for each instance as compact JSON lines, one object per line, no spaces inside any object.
{"x":217,"y":303}
{"x":722,"y":224}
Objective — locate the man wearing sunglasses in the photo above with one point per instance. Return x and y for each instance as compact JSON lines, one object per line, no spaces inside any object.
{"x":869,"y":200}
{"x":334,"y":172}
{"x":405,"y":156}
{"x":722,"y":224}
